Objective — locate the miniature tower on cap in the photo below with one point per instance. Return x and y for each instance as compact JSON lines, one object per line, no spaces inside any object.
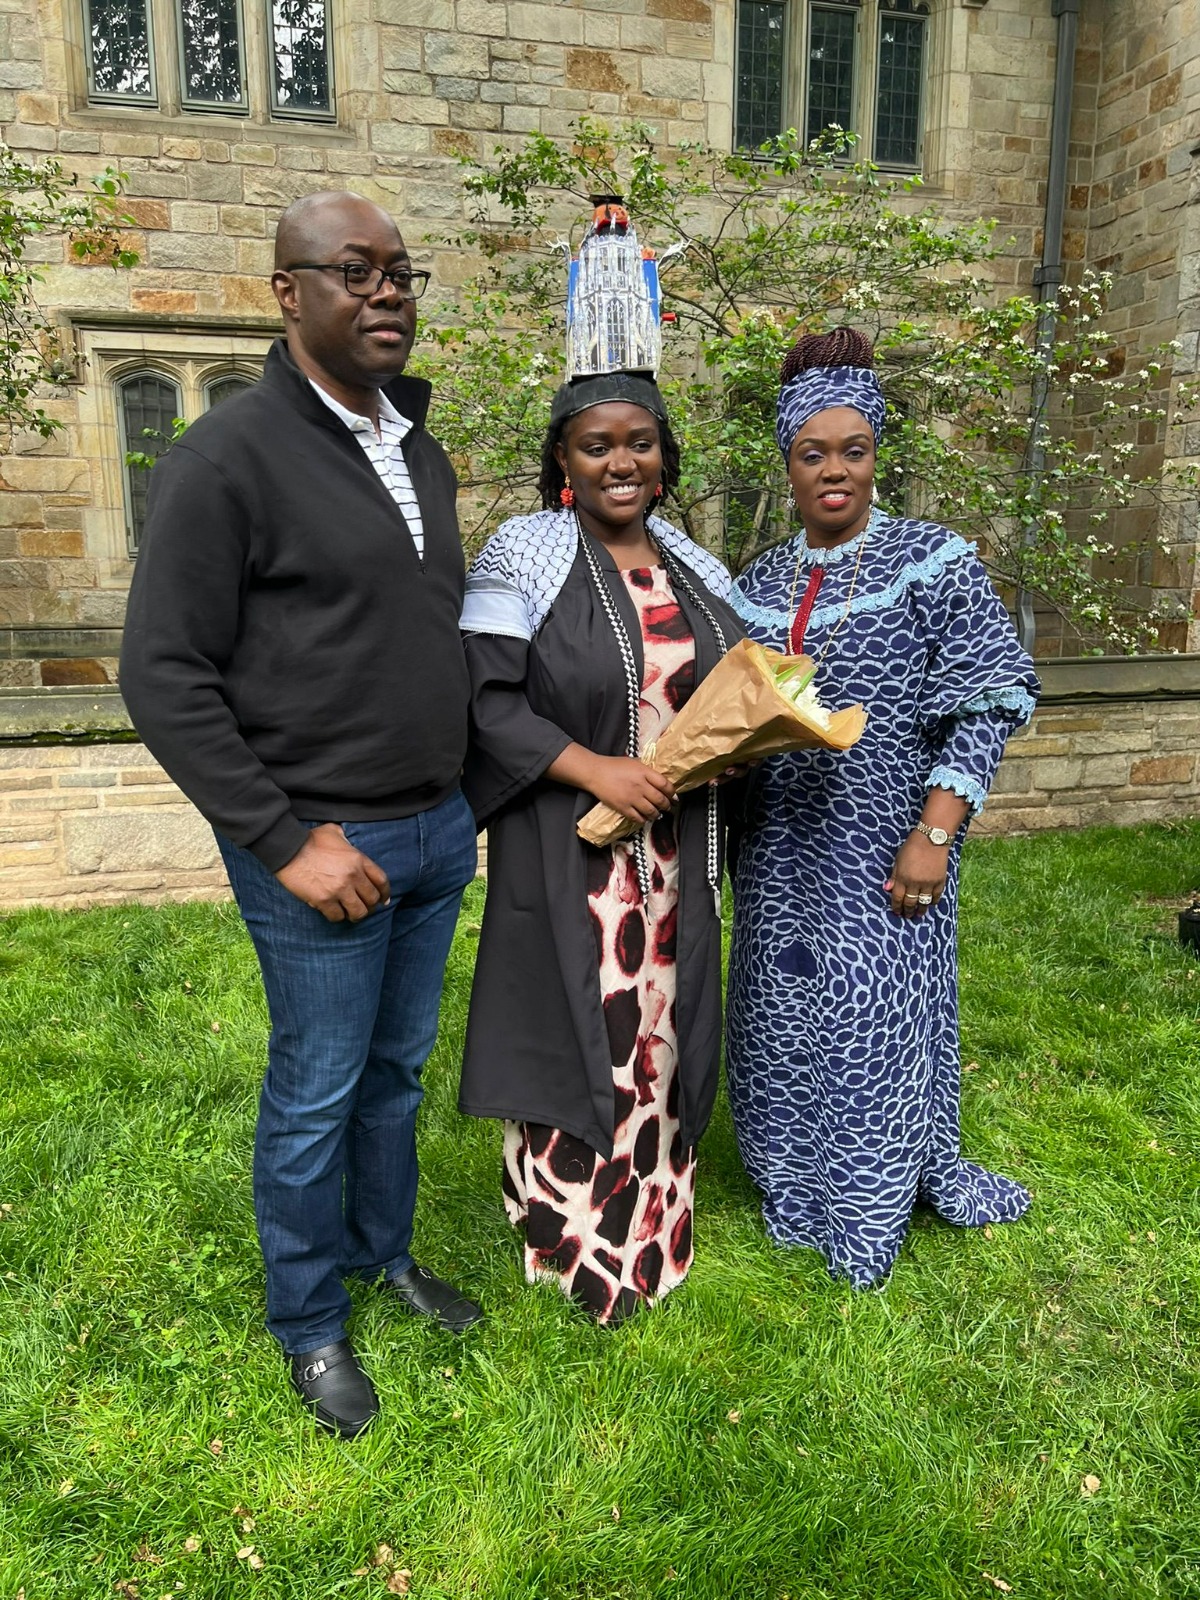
{"x":612,"y":298}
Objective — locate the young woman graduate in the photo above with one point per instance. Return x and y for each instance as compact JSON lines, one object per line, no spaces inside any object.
{"x":843,"y":1016}
{"x":595,"y":1020}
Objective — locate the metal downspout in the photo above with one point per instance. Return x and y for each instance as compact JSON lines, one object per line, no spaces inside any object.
{"x":1047,"y":278}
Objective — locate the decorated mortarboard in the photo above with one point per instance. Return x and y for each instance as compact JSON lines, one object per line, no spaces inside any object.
{"x":612,"y":298}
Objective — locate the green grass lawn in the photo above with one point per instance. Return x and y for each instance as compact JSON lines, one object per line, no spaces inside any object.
{"x":1015,"y":1411}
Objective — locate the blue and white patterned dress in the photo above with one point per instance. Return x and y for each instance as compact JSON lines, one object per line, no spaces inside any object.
{"x":843,"y":1017}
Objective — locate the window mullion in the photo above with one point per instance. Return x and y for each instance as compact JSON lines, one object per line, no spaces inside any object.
{"x":866,"y":86}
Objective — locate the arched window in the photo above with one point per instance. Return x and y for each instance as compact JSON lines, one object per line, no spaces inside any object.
{"x":148,"y":404}
{"x":853,"y":64}
{"x":224,"y":387}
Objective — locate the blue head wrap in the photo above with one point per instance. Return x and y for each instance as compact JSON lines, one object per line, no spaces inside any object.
{"x":819,"y":388}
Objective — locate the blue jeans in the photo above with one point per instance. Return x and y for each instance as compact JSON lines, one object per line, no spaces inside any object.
{"x":354,"y":1012}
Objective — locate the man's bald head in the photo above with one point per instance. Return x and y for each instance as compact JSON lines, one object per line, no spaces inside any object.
{"x":317,"y":226}
{"x":350,"y":344}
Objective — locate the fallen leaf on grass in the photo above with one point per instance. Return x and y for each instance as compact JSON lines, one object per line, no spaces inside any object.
{"x":987,"y":1231}
{"x":384,"y":1555}
{"x":1089,"y":1485}
{"x":996,"y":1583}
{"x":144,"y":1553}
{"x":362,"y":1572}
{"x":733,"y":1416}
{"x":126,"y":1587}
{"x":215,"y":1026}
{"x":216,"y":1446}
{"x":191,"y":1545}
{"x":245,"y":1552}
{"x":971,"y":1066}
{"x":247,"y":1524}
{"x":616,"y":1514}
{"x":66,"y":1486}
{"x":400,"y":1581}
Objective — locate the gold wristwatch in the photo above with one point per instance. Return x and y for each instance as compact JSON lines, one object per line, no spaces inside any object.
{"x":934,"y":835}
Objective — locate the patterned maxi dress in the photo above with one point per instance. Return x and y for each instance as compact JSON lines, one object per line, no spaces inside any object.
{"x":842,"y":1042}
{"x":615,"y":1233}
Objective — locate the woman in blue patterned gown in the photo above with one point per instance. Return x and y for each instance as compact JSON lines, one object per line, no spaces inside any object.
{"x":843,"y":1014}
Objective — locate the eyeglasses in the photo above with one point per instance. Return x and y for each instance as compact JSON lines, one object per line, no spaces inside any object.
{"x":363,"y":281}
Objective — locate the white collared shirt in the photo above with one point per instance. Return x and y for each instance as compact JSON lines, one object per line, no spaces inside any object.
{"x":385,"y":455}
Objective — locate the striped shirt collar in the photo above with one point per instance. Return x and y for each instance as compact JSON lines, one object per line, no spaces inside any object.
{"x":360,"y":424}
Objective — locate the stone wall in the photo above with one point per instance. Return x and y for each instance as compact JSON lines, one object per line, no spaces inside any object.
{"x":1113,"y":744}
{"x":421,"y":83}
{"x":1088,"y":765}
{"x":87,"y":825}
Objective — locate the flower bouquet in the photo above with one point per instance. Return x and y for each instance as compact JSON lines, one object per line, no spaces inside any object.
{"x":754,"y":703}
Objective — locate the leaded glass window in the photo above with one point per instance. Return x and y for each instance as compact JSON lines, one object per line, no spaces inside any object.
{"x":901,"y":76}
{"x":301,"y":81}
{"x":760,"y":71}
{"x":832,"y":41}
{"x":225,"y":387}
{"x":211,"y":53}
{"x":858,"y":65}
{"x":120,"y":59}
{"x":147,"y":407}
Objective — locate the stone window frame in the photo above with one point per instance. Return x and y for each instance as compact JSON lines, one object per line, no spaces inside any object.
{"x":260,"y":102}
{"x":865,"y":86}
{"x":190,"y":359}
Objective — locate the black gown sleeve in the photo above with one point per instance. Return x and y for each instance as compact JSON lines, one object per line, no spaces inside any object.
{"x":510,"y":745}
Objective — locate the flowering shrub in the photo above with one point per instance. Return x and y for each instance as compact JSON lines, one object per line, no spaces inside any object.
{"x":798,"y":238}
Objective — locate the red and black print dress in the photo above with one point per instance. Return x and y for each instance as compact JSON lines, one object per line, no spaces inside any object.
{"x":615,"y":1232}
{"x":594,"y":1031}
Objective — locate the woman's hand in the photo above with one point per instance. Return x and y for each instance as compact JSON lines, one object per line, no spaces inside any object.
{"x":630,"y":787}
{"x":918,"y":878}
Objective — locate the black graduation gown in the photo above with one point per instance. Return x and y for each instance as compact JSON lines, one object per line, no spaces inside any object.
{"x":537,"y":1048}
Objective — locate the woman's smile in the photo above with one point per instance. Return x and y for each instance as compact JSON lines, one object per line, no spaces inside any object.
{"x":611,"y":454}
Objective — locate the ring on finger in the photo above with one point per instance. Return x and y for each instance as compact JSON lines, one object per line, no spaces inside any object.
{"x":924,"y":899}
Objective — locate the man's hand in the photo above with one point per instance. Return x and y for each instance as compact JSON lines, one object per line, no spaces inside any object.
{"x":337,"y":880}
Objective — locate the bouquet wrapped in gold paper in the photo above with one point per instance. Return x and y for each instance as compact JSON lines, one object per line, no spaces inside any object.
{"x":754,"y":703}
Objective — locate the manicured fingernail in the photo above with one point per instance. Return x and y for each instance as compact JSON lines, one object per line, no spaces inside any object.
{"x":888,"y":884}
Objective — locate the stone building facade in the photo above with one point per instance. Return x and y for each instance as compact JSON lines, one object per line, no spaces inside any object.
{"x":413,"y":84}
{"x":216,"y":142}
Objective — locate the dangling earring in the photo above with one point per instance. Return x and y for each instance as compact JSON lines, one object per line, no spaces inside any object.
{"x":660,"y":491}
{"x":874,"y":493}
{"x":790,"y":502}
{"x":566,"y":495}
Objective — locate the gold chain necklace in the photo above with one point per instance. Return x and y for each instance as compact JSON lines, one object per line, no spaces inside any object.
{"x":791,"y":610}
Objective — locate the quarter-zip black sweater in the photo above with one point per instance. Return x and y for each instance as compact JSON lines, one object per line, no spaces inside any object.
{"x":287,"y":654}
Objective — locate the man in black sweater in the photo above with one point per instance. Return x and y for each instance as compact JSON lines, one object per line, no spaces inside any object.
{"x":292,"y":657}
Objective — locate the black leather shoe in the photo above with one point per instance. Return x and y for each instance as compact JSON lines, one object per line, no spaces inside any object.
{"x":335,"y":1389}
{"x":433,"y":1297}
